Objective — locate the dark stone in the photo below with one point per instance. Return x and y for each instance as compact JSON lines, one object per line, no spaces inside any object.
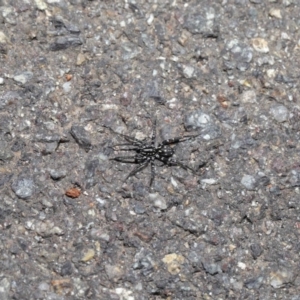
{"x":81,"y":137}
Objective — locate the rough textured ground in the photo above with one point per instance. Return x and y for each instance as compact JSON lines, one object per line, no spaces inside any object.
{"x":71,"y":228}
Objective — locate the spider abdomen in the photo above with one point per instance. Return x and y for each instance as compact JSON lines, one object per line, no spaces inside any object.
{"x":165,"y":151}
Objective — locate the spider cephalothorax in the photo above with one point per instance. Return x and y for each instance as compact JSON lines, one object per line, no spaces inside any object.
{"x":147,"y":152}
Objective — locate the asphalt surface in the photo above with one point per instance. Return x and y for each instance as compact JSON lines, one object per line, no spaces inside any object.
{"x":221,"y":218}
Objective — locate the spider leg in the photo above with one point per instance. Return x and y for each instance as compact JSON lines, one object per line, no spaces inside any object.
{"x":153,"y":138}
{"x":124,"y":149}
{"x":131,"y":140}
{"x":174,"y":162}
{"x":132,"y":159}
{"x":139,"y":168}
{"x":152,"y":172}
{"x":178,"y":139}
{"x":124,"y":144}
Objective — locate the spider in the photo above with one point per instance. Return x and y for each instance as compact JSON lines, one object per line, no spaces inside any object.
{"x":147,"y":152}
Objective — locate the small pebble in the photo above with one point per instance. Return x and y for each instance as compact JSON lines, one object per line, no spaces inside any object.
{"x":3,"y":38}
{"x":158,"y":200}
{"x":209,"y":181}
{"x":23,"y":77}
{"x":88,"y":255}
{"x":80,"y":59}
{"x":173,"y":262}
{"x":44,"y":286}
{"x":242,"y":265}
{"x":260,"y":45}
{"x":279,"y":278}
{"x":73,"y":192}
{"x":67,"y":87}
{"x":58,"y":174}
{"x":23,"y":187}
{"x":40,"y":4}
{"x":197,"y":119}
{"x":275,"y":12}
{"x":150,"y":19}
{"x":248,"y":96}
{"x":254,"y":283}
{"x":124,"y":294}
{"x":113,"y":272}
{"x":139,"y":209}
{"x":188,"y":71}
{"x":5,"y":286}
{"x":212,"y":268}
{"x":249,"y":182}
{"x":280,"y":113}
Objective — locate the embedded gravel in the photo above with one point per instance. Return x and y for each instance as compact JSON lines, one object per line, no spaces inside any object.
{"x":226,"y":71}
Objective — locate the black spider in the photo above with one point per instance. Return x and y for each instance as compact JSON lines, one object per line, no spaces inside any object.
{"x":148,"y":152}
